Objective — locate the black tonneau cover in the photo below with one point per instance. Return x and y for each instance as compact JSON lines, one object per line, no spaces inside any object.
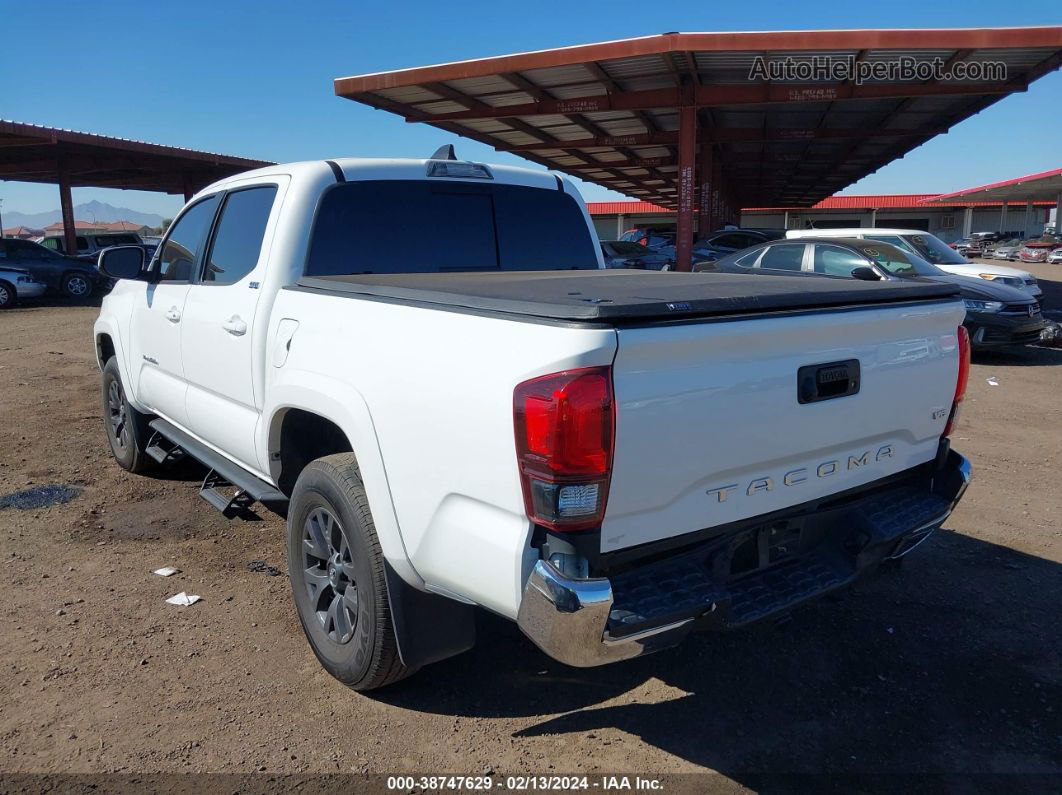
{"x":619,"y":296}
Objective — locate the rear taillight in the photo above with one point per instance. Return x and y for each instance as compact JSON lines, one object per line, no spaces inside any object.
{"x":960,"y":382}
{"x":564,"y":438}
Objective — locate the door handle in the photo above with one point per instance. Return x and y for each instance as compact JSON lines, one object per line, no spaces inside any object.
{"x":173,"y":315}
{"x":235,"y":326}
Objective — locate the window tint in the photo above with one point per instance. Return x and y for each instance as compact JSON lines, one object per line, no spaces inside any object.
{"x":103,"y":241}
{"x":837,"y":261}
{"x":786,"y":257}
{"x":893,"y":260}
{"x":26,"y":249}
{"x":729,"y":241}
{"x":51,"y":243}
{"x":238,"y":239}
{"x":424,"y":226}
{"x":181,"y":250}
{"x":749,"y":260}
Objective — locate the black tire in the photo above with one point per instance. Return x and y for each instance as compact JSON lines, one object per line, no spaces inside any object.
{"x":77,"y":285}
{"x":337,"y":576}
{"x":8,"y":295}
{"x":127,"y":429}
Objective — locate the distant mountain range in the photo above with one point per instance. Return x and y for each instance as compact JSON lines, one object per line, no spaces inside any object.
{"x":89,"y":211}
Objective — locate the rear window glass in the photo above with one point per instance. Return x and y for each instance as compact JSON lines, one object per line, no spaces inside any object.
{"x":787,"y":257}
{"x":422,"y":226}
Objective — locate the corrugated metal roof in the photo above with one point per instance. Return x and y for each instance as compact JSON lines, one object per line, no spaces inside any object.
{"x":780,"y":142}
{"x":1047,"y":184}
{"x":33,"y":151}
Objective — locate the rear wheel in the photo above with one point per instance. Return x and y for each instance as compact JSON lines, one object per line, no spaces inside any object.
{"x":76,"y":285}
{"x":337,"y":576}
{"x":127,"y":429}
{"x":8,"y":295}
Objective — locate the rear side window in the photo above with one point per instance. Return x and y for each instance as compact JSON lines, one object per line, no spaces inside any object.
{"x":421,"y":226}
{"x":238,"y":237}
{"x":786,"y":257}
{"x":116,"y":240}
{"x":181,"y":250}
{"x":836,"y":261}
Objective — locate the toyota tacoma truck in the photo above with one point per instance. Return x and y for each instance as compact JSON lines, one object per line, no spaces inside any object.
{"x":455,"y":412}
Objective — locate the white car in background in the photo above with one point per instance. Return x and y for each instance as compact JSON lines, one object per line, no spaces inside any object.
{"x":935,"y":251}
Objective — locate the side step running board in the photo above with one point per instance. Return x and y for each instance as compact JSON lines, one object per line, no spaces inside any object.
{"x":162,"y":449}
{"x":223,"y":474}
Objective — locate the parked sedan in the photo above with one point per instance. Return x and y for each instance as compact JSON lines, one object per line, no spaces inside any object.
{"x":1036,"y":251}
{"x":16,"y":285}
{"x":1055,"y":256}
{"x":624,"y":254}
{"x":1006,"y":250}
{"x":68,"y":276}
{"x":995,"y":314}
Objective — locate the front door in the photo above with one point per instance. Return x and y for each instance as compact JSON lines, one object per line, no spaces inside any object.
{"x":155,"y":351}
{"x":220,"y":327}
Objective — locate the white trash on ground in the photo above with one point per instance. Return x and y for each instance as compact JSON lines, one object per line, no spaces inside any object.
{"x":166,"y":571}
{"x":183,"y":599}
{"x":992,"y":381}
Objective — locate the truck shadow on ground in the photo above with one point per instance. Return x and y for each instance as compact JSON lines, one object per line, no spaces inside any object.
{"x":949,"y":666}
{"x":1019,"y":356}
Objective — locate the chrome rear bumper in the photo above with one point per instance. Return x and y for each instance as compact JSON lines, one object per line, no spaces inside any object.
{"x":569,"y":618}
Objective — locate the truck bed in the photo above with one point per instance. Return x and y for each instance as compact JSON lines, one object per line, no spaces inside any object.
{"x":622,"y":296}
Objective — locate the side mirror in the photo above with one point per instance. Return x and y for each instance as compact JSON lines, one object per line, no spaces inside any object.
{"x":866,"y":273}
{"x":122,"y":262}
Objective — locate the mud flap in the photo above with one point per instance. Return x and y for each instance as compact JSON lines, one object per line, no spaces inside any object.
{"x":428,"y":627}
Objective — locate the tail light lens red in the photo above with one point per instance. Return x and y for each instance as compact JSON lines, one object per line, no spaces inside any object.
{"x":565,"y":425}
{"x":961,"y":381}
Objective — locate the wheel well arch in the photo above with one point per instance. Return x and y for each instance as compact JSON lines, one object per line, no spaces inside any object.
{"x":302,"y":437}
{"x":104,"y":348}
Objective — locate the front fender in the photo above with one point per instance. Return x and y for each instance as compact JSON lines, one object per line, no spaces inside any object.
{"x":106,"y":325}
{"x":343,"y":405}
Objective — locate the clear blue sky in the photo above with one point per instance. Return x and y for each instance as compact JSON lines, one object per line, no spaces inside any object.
{"x":255,"y":78}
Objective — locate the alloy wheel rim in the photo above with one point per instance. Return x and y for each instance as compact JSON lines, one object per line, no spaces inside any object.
{"x":328,"y":574}
{"x":5,"y":296}
{"x":116,"y":412}
{"x":77,"y":285}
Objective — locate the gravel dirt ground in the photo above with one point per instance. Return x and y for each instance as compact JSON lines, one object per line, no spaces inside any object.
{"x":948,"y":667}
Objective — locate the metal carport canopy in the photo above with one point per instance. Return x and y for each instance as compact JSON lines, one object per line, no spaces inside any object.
{"x":1046,"y":186}
{"x":68,"y":158}
{"x":677,"y":119}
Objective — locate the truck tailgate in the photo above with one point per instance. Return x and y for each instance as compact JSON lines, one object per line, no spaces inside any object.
{"x":711,"y":428}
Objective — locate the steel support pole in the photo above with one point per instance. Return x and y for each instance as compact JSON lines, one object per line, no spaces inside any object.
{"x":686,"y":175}
{"x":1058,"y":213}
{"x":717,"y":195}
{"x":1025,"y":221}
{"x":66,"y":204}
{"x":704,"y":188}
{"x":1003,"y":217}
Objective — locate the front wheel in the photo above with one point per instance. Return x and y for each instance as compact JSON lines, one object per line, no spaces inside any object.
{"x":8,"y":295}
{"x":337,"y":576}
{"x":76,"y":285}
{"x":127,"y":429}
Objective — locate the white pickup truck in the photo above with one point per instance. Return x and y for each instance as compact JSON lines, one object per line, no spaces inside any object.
{"x":423,"y":366}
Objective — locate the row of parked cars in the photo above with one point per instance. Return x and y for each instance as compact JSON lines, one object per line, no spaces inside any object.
{"x":1002,"y":303}
{"x":30,"y":270}
{"x":995,"y":245}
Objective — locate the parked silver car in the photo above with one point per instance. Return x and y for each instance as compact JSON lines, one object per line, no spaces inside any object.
{"x":18,"y":284}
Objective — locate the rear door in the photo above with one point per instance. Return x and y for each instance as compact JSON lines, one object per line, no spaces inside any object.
{"x":220,"y":323}
{"x":158,"y":312}
{"x":832,"y":260}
